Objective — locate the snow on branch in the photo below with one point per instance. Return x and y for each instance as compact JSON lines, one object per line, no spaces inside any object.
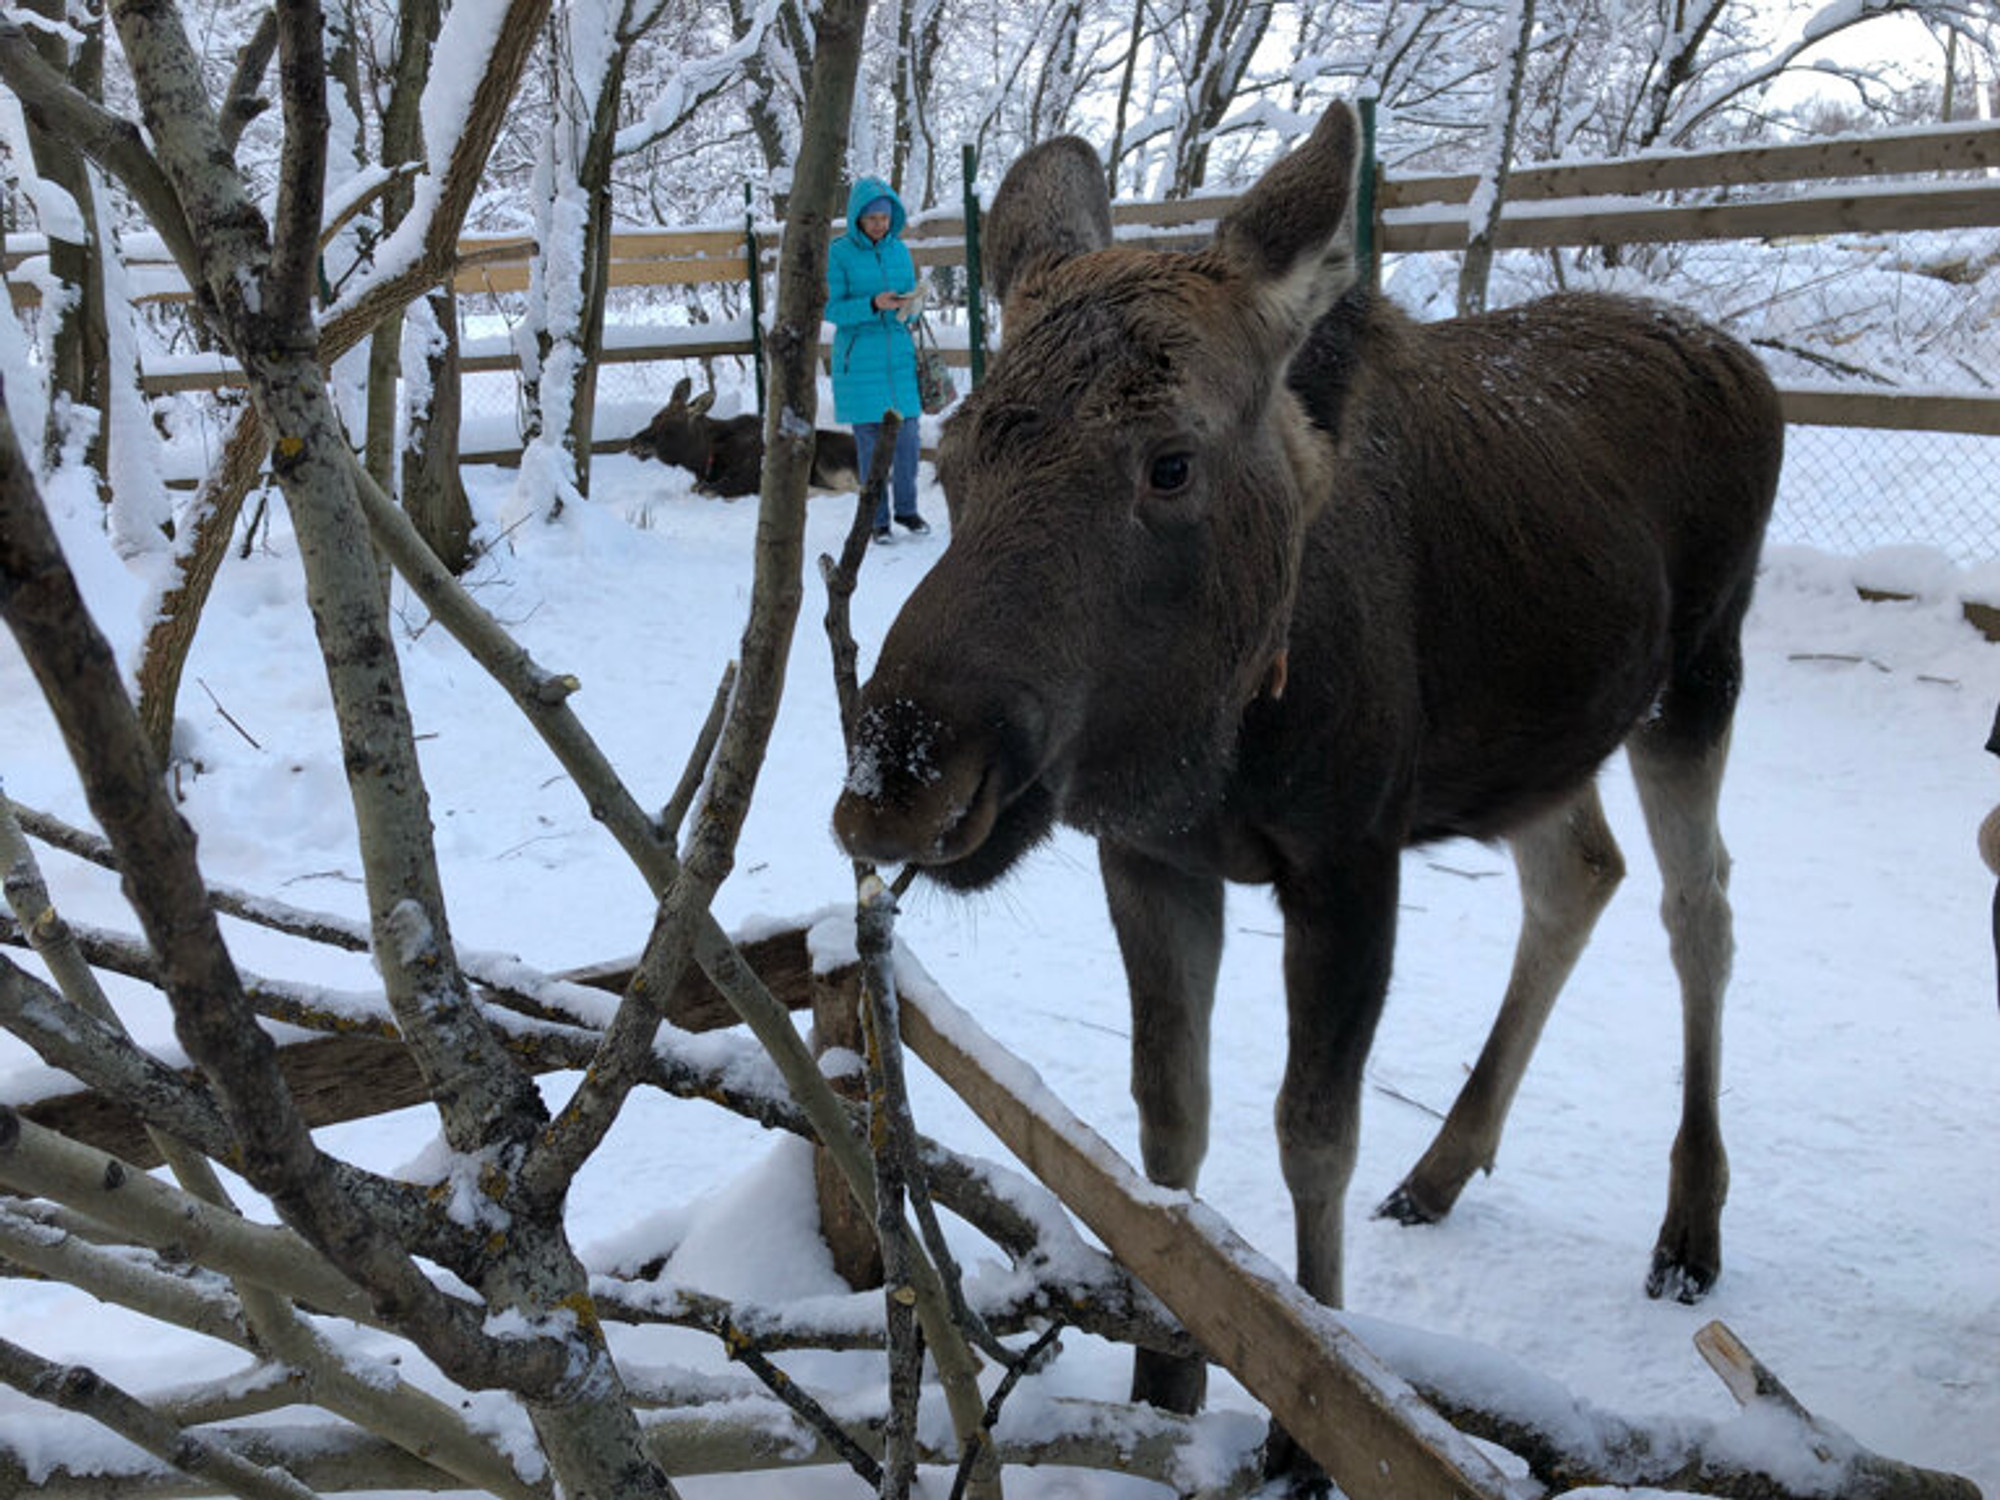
{"x":697,"y":81}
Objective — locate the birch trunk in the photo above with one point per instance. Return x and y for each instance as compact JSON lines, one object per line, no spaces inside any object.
{"x":1126,"y":72}
{"x":1490,"y":197}
{"x":78,"y":343}
{"x":1230,"y":33}
{"x":257,"y":286}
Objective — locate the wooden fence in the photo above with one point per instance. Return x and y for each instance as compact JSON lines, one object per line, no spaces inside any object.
{"x":1585,"y":204}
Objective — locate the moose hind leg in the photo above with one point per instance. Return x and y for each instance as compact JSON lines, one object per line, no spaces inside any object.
{"x":1677,"y":763}
{"x":1569,"y":866}
{"x":1169,"y":926}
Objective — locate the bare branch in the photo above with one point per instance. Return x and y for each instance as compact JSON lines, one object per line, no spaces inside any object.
{"x":288,"y":290}
{"x":843,"y":577}
{"x":875,"y":937}
{"x":38,"y":1161}
{"x":79,"y":678}
{"x":78,"y":1389}
{"x":801,"y":1404}
{"x":676,"y":810}
{"x":117,"y":1277}
{"x":241,"y":104}
{"x":111,"y":141}
{"x":104,"y":1059}
{"x":404,"y":1414}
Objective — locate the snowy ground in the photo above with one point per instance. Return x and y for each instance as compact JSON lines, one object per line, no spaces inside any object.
{"x":1863,"y":1235}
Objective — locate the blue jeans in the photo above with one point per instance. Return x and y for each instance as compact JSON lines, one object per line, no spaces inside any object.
{"x":903,"y":468}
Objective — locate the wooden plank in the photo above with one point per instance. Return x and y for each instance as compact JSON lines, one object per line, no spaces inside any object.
{"x":165,"y":382}
{"x":171,"y":381}
{"x":512,"y":276}
{"x":1962,"y":147}
{"x":636,"y":244}
{"x":1900,"y":411}
{"x":1973,"y":207}
{"x":336,"y":1078}
{"x":1365,"y":1426}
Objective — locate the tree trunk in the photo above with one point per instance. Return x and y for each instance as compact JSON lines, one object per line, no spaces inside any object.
{"x":587,"y":49}
{"x":78,"y":346}
{"x":594,"y":179}
{"x":1491,"y":195}
{"x":1230,"y":33}
{"x":433,"y":489}
{"x":776,"y":127}
{"x":1056,"y":86}
{"x":1125,"y":76}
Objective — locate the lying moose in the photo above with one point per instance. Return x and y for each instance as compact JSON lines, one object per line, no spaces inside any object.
{"x":727,"y":457}
{"x":1257,"y":579}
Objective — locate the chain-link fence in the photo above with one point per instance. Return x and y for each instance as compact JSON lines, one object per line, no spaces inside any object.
{"x":1874,"y":317}
{"x":1849,"y":490}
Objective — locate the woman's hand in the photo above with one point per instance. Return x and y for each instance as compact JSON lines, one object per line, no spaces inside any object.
{"x":885,"y":301}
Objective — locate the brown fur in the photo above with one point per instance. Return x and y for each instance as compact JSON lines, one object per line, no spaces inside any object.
{"x":727,"y":457}
{"x":1478,"y":556}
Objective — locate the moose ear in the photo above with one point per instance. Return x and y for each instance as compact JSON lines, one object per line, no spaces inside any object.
{"x":700,"y":405}
{"x":1292,"y":233}
{"x":680,"y":392}
{"x":1051,"y":205}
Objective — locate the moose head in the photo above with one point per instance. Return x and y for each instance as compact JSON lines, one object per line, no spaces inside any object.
{"x":679,"y":432}
{"x":1136,"y":475}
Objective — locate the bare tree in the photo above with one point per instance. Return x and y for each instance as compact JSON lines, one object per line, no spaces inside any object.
{"x":1128,"y":68}
{"x":1516,"y":34}
{"x":1226,"y":35}
{"x":423,"y":342}
{"x":776,"y":75}
{"x":77,"y":342}
{"x":919,"y":39}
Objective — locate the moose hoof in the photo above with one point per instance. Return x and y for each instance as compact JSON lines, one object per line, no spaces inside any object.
{"x":1291,"y":1469}
{"x":1169,"y":1381}
{"x":1683,"y":1281}
{"x":1409,"y":1204}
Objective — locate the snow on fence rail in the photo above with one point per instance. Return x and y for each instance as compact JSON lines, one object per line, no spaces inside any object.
{"x":1919,"y":463}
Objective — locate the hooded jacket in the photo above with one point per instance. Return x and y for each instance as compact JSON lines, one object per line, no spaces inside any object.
{"x":874,"y":356}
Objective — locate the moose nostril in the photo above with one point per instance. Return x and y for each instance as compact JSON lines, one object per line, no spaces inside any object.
{"x":904,"y":804}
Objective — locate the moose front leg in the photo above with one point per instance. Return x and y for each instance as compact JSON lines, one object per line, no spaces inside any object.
{"x":1169,"y":926}
{"x":1340,"y":936}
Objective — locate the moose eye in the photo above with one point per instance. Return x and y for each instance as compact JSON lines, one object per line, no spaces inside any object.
{"x":1170,"y":472}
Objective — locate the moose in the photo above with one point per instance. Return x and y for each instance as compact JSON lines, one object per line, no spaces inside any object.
{"x":1255,"y":578}
{"x":727,"y":457}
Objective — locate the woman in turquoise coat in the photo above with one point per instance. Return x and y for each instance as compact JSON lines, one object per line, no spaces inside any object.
{"x":871,"y":282}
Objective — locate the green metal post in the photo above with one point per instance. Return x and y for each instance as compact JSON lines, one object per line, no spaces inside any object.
{"x":975,"y":297}
{"x":755,"y":271}
{"x":1366,"y":240}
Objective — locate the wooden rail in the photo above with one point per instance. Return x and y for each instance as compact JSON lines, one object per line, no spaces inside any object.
{"x":1589,"y":203}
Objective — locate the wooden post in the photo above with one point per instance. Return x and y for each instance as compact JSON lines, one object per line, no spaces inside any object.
{"x":847,"y":1229}
{"x":1367,"y":244}
{"x":975,"y":295}
{"x":756,"y":275}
